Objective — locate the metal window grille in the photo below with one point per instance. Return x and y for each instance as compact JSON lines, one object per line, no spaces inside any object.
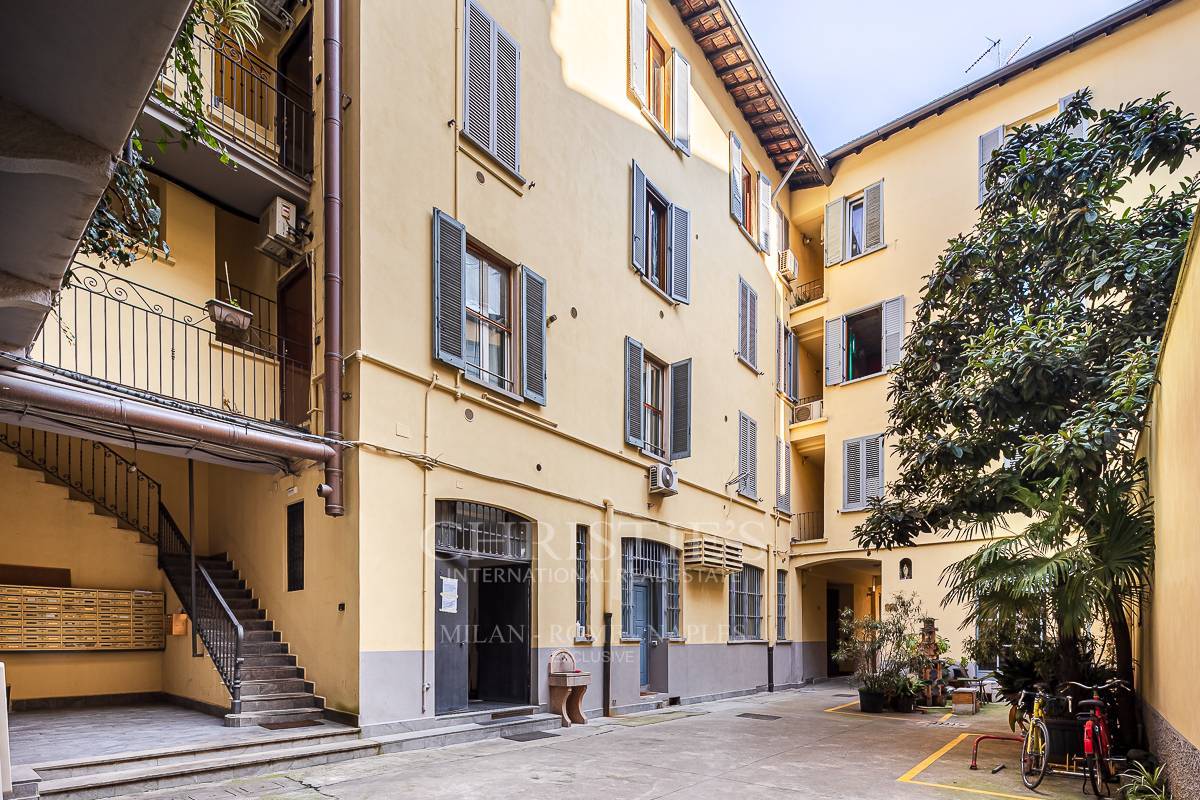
{"x":581,"y":580}
{"x":745,"y":603}
{"x":781,"y":605}
{"x":642,"y":558}
{"x":478,"y":529}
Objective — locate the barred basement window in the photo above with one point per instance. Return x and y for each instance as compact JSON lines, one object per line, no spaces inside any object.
{"x":745,"y":604}
{"x":581,"y":582}
{"x":781,"y":605}
{"x":642,"y":558}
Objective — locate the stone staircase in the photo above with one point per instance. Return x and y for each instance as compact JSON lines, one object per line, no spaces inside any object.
{"x":273,"y":685}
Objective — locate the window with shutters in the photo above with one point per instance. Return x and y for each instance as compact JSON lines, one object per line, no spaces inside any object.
{"x":661,"y":245}
{"x":659,"y":79}
{"x":864,"y":343}
{"x":658,"y":404}
{"x":491,"y":88}
{"x":854,"y":225}
{"x":747,"y":321}
{"x":862,"y":471}
{"x":747,"y":476}
{"x":781,"y":630}
{"x":746,"y":604}
{"x":489,"y":315}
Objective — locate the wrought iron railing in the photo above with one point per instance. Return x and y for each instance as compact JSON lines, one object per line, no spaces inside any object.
{"x":808,"y":408}
{"x":108,"y":328}
{"x":810,"y":525}
{"x":212,"y":619}
{"x":807,"y":292}
{"x":94,"y":470}
{"x":251,"y":101}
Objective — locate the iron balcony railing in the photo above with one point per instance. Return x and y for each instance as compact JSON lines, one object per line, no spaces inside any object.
{"x":264,"y":309}
{"x":808,"y":292}
{"x":249,"y":100}
{"x":212,"y":619}
{"x":111,"y":329}
{"x":810,"y":525}
{"x":92,"y":470}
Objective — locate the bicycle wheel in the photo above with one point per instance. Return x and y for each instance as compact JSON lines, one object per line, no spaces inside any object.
{"x":1098,"y":767}
{"x":1035,"y":754}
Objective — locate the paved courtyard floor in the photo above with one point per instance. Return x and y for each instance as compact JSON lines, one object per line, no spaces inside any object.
{"x":817,"y":745}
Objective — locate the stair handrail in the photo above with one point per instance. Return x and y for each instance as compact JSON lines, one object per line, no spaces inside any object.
{"x":67,"y":459}
{"x":219,"y":629}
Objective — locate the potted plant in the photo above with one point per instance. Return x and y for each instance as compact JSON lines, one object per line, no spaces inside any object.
{"x":908,"y":687}
{"x":879,"y":651}
{"x":230,"y":319}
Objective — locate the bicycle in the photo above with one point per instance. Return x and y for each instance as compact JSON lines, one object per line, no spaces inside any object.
{"x":1035,"y":741}
{"x":1096,"y":739}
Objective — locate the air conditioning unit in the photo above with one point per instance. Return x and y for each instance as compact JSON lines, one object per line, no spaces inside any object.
{"x":806,"y":411}
{"x":276,"y":13}
{"x":712,"y":553}
{"x":787,"y":265}
{"x":278,"y":228}
{"x":663,"y":480}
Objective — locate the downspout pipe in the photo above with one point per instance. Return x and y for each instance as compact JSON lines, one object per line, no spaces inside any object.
{"x":331,"y":490}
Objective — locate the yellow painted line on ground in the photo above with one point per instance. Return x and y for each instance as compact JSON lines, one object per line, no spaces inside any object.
{"x":948,"y":716}
{"x":843,"y":705}
{"x":910,"y":776}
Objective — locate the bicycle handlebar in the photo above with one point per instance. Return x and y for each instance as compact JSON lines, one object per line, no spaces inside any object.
{"x":1112,"y":683}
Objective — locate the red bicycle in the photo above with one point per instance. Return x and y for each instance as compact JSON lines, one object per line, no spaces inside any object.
{"x":1096,"y":739}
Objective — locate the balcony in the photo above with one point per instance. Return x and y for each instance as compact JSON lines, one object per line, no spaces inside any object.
{"x":809,"y":526}
{"x":116,"y":333}
{"x":259,"y":115}
{"x":808,"y":292}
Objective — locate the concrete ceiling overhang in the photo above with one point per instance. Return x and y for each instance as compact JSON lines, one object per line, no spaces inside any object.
{"x":74,"y":75}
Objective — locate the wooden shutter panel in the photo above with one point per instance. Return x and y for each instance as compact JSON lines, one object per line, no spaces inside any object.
{"x":833,"y":351}
{"x":834,"y":231}
{"x":783,"y":475}
{"x":893,"y":330}
{"x":747,"y":456}
{"x":780,"y":358}
{"x":743,"y":314}
{"x":681,"y":409}
{"x":752,"y":478}
{"x":852,"y":477}
{"x":989,"y":143}
{"x":637,"y":49}
{"x":533,"y":336}
{"x":634,"y":358}
{"x":764,"y":213}
{"x":681,"y":254}
{"x":638,"y":246}
{"x":873,"y":217}
{"x":872,"y":471}
{"x":681,"y":80}
{"x":508,"y":100}
{"x":449,"y":296}
{"x":1080,"y":130}
{"x":735,"y":178}
{"x":752,"y":327}
{"x":478,"y":92}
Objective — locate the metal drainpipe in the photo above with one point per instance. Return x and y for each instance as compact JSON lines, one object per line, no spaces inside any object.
{"x":332,"y":169}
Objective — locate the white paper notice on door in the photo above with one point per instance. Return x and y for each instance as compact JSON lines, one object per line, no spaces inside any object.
{"x":449,"y":595}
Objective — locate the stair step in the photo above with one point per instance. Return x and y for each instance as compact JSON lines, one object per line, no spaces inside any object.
{"x":282,"y":701}
{"x":257,"y":624}
{"x":271,"y":673}
{"x":128,"y":781}
{"x":469,"y":732}
{"x":275,"y":685}
{"x":245,"y":615}
{"x":269,"y":660}
{"x":248,"y":718}
{"x":255,"y":648}
{"x":262,"y":636}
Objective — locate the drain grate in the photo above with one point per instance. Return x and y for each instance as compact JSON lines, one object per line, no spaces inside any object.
{"x":767,"y":717}
{"x":530,"y":736}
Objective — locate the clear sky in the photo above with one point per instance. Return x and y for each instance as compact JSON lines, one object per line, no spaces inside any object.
{"x":848,"y":67}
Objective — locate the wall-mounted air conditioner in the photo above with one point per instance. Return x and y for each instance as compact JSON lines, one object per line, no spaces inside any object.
{"x":663,"y":480}
{"x":712,"y":553}
{"x":279,"y":233}
{"x":787,"y":265}
{"x":806,"y":411}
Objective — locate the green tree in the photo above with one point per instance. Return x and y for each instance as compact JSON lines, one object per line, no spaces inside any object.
{"x":1029,"y":366}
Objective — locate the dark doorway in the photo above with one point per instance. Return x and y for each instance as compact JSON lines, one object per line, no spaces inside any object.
{"x":500,"y":647}
{"x":295,"y":345}
{"x":450,"y":620}
{"x":834,"y":604}
{"x":294,"y":112}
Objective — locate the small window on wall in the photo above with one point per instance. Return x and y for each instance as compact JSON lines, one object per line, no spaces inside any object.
{"x":582,"y":629}
{"x":864,"y":343}
{"x":906,"y":569}
{"x":745,"y":604}
{"x":661,"y":244}
{"x":659,"y":79}
{"x":295,"y":547}
{"x":854,"y":225}
{"x":658,"y":404}
{"x":489,"y":321}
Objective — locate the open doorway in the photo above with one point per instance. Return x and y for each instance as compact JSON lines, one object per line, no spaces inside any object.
{"x":294,"y":120}
{"x":482,"y":608}
{"x":837,"y":598}
{"x":295,"y":344}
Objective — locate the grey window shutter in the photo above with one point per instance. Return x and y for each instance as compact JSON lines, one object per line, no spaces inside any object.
{"x":780,"y":357}
{"x":989,"y":143}
{"x":783,"y":475}
{"x":638,"y":258}
{"x":533,"y":336}
{"x":681,"y":409}
{"x":681,"y":254}
{"x":681,"y":80}
{"x":752,"y":327}
{"x":449,"y":296}
{"x":1080,"y":130}
{"x":735,"y":178}
{"x":833,"y":351}
{"x":791,"y":357}
{"x":872,"y":471}
{"x":747,"y":456}
{"x":873,"y":217}
{"x":852,"y":477}
{"x":893,"y":330}
{"x":479,"y":55}
{"x":743,"y":314}
{"x":764,"y":213}
{"x":634,"y":358}
{"x":834,"y":231}
{"x":508,"y":100}
{"x":637,"y":49}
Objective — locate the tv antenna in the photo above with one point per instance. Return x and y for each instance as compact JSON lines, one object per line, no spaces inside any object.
{"x":1013,"y":54}
{"x":995,"y":45}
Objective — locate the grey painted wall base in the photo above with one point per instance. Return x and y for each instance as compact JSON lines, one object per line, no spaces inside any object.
{"x":390,"y":686}
{"x":1180,"y":757}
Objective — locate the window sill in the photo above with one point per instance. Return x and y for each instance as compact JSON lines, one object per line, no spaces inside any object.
{"x":749,"y":236}
{"x":630,"y":640}
{"x":504,"y":394}
{"x":822,"y":540}
{"x":853,"y":510}
{"x":658,"y":290}
{"x":747,"y":641}
{"x":655,"y":457}
{"x":750,"y":498}
{"x":864,"y":378}
{"x":484,"y":158}
{"x":861,"y":255}
{"x":748,"y":365}
{"x":662,"y":130}
{"x":584,"y":640}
